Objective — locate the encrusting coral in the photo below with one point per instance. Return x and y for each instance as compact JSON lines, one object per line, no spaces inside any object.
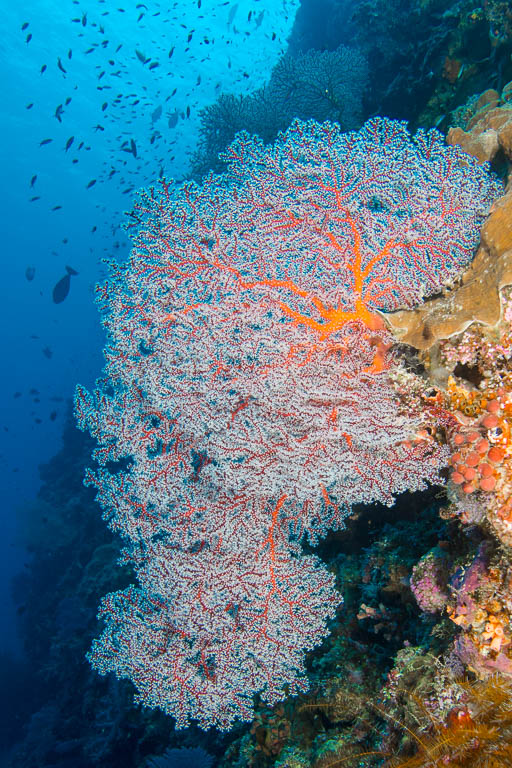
{"x":476,"y":296}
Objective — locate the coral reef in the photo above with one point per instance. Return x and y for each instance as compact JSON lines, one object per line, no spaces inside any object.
{"x":255,"y":401}
{"x":481,"y":606}
{"x":480,"y":398}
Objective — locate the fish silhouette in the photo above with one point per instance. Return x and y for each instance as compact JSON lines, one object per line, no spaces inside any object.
{"x":61,"y":289}
{"x":156,"y":115}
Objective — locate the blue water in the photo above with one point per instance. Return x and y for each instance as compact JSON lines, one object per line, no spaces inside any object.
{"x":50,"y":347}
{"x":134,"y":74}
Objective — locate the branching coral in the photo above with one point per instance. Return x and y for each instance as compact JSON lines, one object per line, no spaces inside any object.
{"x":326,"y":85}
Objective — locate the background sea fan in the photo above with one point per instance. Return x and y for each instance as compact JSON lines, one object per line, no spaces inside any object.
{"x":186,"y":757}
{"x":317,"y":85}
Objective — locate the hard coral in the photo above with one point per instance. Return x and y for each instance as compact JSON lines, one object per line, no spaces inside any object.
{"x":476,"y":297}
{"x":487,"y":127}
{"x":428,"y":582}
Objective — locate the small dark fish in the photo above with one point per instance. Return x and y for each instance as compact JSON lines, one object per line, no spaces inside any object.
{"x":141,"y":16}
{"x":140,"y":56}
{"x":53,"y":415}
{"x":58,"y":112}
{"x":119,"y":47}
{"x":43,"y":68}
{"x":91,"y":183}
{"x":68,"y":101}
{"x":188,"y":111}
{"x":273,"y":35}
{"x":84,"y":20}
{"x":189,"y":38}
{"x":16,"y":395}
{"x":33,"y":199}
{"x":94,"y":228}
{"x":30,"y":273}
{"x":171,"y":51}
{"x":61,"y":289}
{"x":154,"y":65}
{"x":173,"y":120}
{"x":24,"y":26}
{"x":47,"y":353}
{"x":232,"y":13}
{"x":44,"y":141}
{"x":133,"y":148}
{"x":29,"y":106}
{"x":104,"y":106}
{"x":33,"y":180}
{"x":69,"y":142}
{"x":29,"y":38}
{"x":59,"y":64}
{"x":70,"y":53}
{"x":34,"y":391}
{"x":90,"y":50}
{"x":56,"y":207}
